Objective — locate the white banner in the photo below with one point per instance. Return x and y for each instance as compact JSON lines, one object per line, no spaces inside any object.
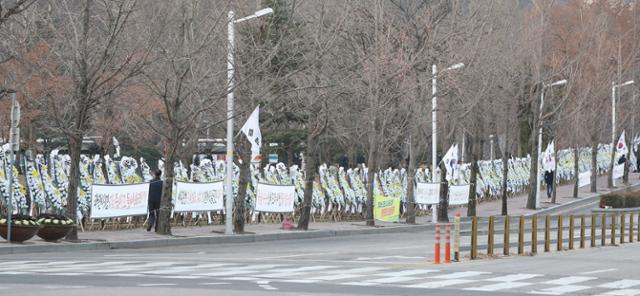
{"x":275,"y":198}
{"x":427,"y":193}
{"x":618,"y":171}
{"x":584,"y":179}
{"x":198,"y":197}
{"x":459,"y":194}
{"x":109,"y":201}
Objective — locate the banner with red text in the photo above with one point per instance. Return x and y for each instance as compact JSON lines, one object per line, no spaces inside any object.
{"x":109,"y":201}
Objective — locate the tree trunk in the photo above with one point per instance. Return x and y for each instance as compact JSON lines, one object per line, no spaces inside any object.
{"x":611,"y":166}
{"x":75,"y":148}
{"x":471,"y":207}
{"x":443,"y":205}
{"x":164,"y":214}
{"x":371,"y":162}
{"x":411,"y":172}
{"x":594,"y":166}
{"x":533,"y":173}
{"x":505,"y":176}
{"x":245,"y":178}
{"x":576,"y":170}
{"x":555,"y":176}
{"x":310,"y":175}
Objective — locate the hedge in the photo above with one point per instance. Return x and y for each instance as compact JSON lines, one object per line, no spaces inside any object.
{"x":620,"y":200}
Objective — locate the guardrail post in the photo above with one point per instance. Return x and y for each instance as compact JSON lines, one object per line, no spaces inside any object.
{"x":622,"y":225}
{"x":521,"y":236}
{"x":506,"y":242}
{"x":547,"y":233}
{"x":447,"y":244}
{"x":534,"y":234}
{"x":593,"y":230}
{"x":456,"y":240}
{"x":571,"y":233}
{"x":474,"y":238}
{"x":603,"y":230}
{"x":490,"y":237}
{"x":614,"y":217}
{"x":437,"y":248}
{"x":559,"y":245}
{"x":582,"y":232}
{"x":631,"y":227}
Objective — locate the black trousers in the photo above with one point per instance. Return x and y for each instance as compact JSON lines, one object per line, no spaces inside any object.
{"x":153,"y":219}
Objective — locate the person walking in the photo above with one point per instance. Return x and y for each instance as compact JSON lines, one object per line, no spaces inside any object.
{"x":548,"y":178}
{"x":155,"y":194}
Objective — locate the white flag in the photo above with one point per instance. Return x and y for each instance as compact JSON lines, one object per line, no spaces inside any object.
{"x":251,"y":129}
{"x":621,"y":147}
{"x":549,"y":160}
{"x":451,"y":157}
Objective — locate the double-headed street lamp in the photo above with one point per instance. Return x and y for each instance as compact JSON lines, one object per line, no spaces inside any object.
{"x":230,"y":87}
{"x":434,"y":130}
{"x":539,"y":177}
{"x":614,"y":86}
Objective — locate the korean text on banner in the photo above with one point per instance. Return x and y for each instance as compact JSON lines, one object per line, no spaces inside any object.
{"x":386,"y":208}
{"x":197,"y":197}
{"x":459,"y":194}
{"x":109,"y":201}
{"x":618,"y":171}
{"x":275,"y":198}
{"x":427,"y":193}
{"x":584,"y":179}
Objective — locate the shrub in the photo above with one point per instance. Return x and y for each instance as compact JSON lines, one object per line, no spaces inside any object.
{"x":618,"y":200}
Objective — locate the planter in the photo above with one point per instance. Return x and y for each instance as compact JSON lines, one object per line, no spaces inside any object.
{"x":53,"y":233}
{"x":19,"y":233}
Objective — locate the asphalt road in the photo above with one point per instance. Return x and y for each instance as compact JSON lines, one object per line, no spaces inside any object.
{"x":385,"y":264}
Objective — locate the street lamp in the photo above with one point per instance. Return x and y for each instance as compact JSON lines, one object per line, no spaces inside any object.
{"x":434,"y":130}
{"x":539,"y":177}
{"x":613,"y":120}
{"x":230,"y":86}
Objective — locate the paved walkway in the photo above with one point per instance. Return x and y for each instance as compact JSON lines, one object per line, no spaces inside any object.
{"x":516,"y":206}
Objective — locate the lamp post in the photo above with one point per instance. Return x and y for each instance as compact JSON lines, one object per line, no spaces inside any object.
{"x":539,"y":177}
{"x":614,"y":86}
{"x":434,"y":130}
{"x":230,"y":87}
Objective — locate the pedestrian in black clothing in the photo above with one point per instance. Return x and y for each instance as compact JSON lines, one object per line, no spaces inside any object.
{"x":155,"y":194}
{"x":548,"y":179}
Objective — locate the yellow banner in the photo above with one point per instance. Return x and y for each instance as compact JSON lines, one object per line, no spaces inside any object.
{"x":386,"y":209}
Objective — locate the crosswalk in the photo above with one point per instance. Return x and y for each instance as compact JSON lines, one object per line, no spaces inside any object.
{"x":269,"y":275}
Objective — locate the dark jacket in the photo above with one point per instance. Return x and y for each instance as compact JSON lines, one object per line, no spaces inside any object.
{"x":622,"y":159}
{"x":155,"y":193}
{"x":548,"y":177}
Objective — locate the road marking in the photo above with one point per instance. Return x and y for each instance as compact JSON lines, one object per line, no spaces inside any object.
{"x":621,"y":284}
{"x":133,"y":267}
{"x":294,"y":272}
{"x":215,"y":284}
{"x":513,"y":277}
{"x":598,"y":271}
{"x":359,"y":270}
{"x":186,"y":277}
{"x":241,"y":278}
{"x":265,"y":285}
{"x":386,"y":257}
{"x":440,"y":284}
{"x":626,"y":292}
{"x":407,"y":272}
{"x":394,"y":279}
{"x":364,"y":284}
{"x":500,"y":286}
{"x":15,"y":272}
{"x":241,"y":270}
{"x":335,"y":277}
{"x":124,"y":274}
{"x":569,"y":280}
{"x":457,"y":275}
{"x":156,"y":285}
{"x":65,"y":287}
{"x":559,"y":290}
{"x":301,"y":281}
{"x":292,"y":256}
{"x":183,"y":269}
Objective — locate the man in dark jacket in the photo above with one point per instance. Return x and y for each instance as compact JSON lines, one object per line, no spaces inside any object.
{"x":548,"y":178}
{"x":155,"y":193}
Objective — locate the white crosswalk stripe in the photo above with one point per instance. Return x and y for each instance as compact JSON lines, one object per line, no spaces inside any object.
{"x":351,"y":275}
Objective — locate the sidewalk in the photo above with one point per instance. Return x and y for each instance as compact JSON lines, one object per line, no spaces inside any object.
{"x":213,"y":234}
